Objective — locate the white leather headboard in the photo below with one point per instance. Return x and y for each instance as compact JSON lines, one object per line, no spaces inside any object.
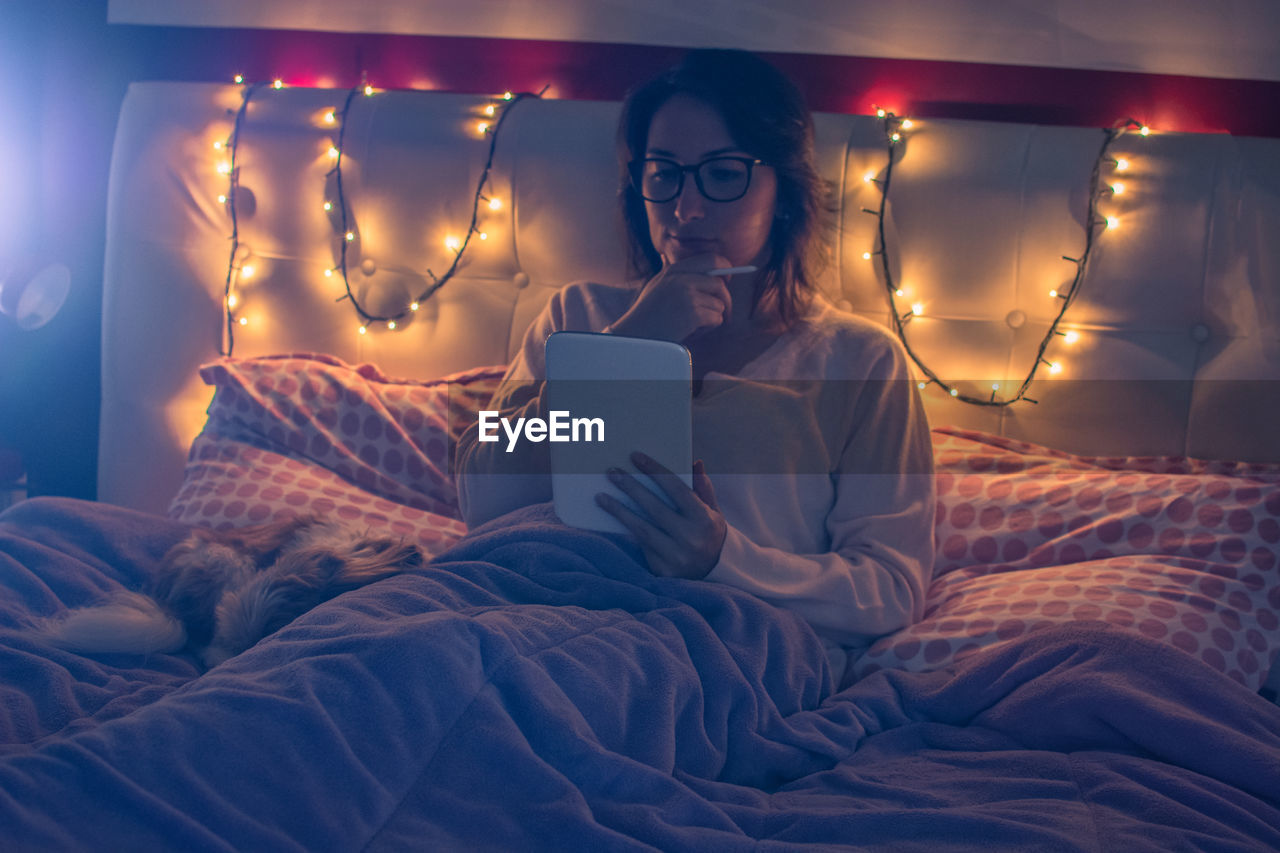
{"x":1179,"y":316}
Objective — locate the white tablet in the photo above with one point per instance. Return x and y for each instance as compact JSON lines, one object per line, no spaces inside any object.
{"x":607,"y":396}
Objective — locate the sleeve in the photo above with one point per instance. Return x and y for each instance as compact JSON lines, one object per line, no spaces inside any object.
{"x":491,"y":480}
{"x":874,"y":579}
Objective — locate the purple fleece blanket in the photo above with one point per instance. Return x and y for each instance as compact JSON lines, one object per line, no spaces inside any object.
{"x":536,"y":688}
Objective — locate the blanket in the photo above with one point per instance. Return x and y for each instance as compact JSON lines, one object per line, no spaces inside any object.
{"x":536,"y":688}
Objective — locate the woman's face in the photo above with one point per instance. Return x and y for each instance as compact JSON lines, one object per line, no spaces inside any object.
{"x":689,"y":131}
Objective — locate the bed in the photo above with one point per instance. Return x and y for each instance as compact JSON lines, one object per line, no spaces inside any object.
{"x":1091,"y":672}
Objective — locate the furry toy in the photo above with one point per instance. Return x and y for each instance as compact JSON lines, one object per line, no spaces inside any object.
{"x":218,"y":593}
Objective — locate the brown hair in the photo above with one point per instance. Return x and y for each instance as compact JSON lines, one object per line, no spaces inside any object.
{"x":767,"y":116}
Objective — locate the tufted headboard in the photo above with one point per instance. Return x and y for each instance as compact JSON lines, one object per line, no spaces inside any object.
{"x":1178,"y":315}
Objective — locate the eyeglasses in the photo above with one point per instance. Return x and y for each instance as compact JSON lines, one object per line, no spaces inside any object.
{"x":719,"y":178}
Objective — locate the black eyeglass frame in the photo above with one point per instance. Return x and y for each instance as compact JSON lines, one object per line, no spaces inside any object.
{"x":636,"y":170}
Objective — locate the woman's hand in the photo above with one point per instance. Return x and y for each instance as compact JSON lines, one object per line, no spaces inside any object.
{"x":683,"y":542}
{"x":679,"y":301}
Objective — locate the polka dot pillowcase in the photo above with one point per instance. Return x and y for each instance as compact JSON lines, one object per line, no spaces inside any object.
{"x":298,"y":433}
{"x":1181,"y":551}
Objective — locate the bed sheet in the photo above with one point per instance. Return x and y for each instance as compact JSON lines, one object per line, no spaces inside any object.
{"x":536,"y":688}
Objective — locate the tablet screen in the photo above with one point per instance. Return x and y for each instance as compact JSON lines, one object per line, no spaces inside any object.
{"x":608,"y":396}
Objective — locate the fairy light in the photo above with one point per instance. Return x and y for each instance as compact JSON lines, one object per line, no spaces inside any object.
{"x":458,"y":245}
{"x":229,"y":169}
{"x":893,"y":125}
{"x":329,"y":117}
{"x":277,"y":84}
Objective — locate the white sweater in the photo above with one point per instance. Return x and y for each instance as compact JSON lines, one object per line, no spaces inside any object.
{"x":826,"y":486}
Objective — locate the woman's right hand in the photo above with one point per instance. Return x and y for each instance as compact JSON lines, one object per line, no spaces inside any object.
{"x":679,"y":301}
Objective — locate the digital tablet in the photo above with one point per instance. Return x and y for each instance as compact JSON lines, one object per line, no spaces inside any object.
{"x":607,"y":396}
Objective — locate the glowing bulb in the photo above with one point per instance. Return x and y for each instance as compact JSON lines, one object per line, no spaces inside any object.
{"x":1071,"y":337}
{"x":413,"y":307}
{"x":217,"y":146}
{"x":328,"y":205}
{"x":333,"y":151}
{"x":278,"y":84}
{"x":995,"y":386}
{"x":482,"y":235}
{"x":868,"y":177}
{"x":1055,"y":367}
{"x":224,"y":168}
{"x":222,"y":199}
{"x":899,"y":292}
{"x":920,"y":385}
{"x":239,"y":78}
{"x":866,"y":256}
{"x":880,"y":113}
{"x":495,"y":204}
{"x":1117,"y":188}
{"x":907,"y":124}
{"x":1054,"y":293}
{"x":391,"y":324}
{"x":490,"y":110}
{"x":896,"y":136}
{"x":368,"y":90}
{"x":329,"y":117}
{"x":1113,"y":222}
{"x":244,"y":321}
{"x":1145,"y":131}
{"x":351,"y":235}
{"x":955,"y":392}
{"x":364,"y":330}
{"x":247,"y":271}
{"x":483,"y":127}
{"x":1122,"y":164}
{"x":917,"y":308}
{"x":452,"y":243}
{"x":328,"y":273}
{"x":506,"y":96}
{"x":231,"y":301}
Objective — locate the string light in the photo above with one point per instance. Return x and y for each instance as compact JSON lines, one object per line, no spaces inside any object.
{"x":893,"y":125}
{"x":458,"y":245}
{"x":228,"y":167}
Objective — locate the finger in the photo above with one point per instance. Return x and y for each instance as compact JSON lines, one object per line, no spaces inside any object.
{"x":702,"y":486}
{"x":671,"y":484}
{"x":651,"y":538}
{"x":657,"y":509}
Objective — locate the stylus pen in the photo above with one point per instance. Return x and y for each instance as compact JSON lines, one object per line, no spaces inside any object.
{"x":731,"y":270}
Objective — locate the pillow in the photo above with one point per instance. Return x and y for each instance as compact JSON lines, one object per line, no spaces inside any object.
{"x":1180,"y":550}
{"x":305,"y":432}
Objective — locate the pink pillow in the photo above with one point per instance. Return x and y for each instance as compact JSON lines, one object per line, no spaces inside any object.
{"x":231,"y":483}
{"x":307,"y":432}
{"x":1180,"y":550}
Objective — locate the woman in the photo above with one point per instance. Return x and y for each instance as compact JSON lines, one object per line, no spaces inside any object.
{"x":809,"y":426}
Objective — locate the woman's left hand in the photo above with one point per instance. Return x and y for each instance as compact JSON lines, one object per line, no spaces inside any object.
{"x":682,"y":542}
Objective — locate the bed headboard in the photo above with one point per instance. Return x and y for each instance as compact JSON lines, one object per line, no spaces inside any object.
{"x":1178,"y":316}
